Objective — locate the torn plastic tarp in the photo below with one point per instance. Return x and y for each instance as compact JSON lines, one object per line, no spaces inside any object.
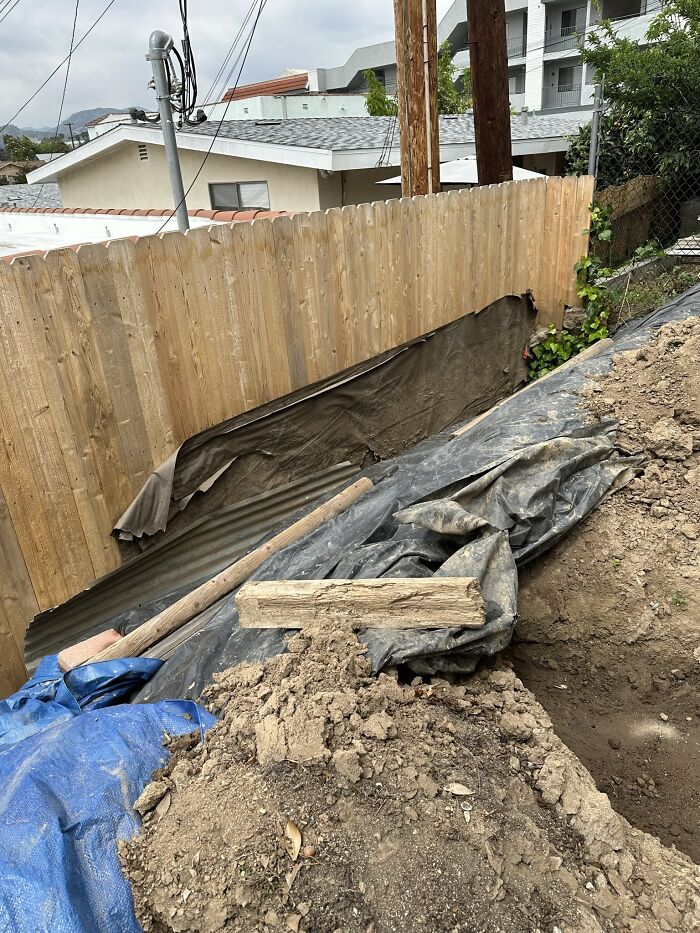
{"x":70,"y":771}
{"x":369,"y":412}
{"x":479,"y":504}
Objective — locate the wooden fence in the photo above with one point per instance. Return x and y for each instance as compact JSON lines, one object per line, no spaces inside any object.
{"x":110,"y":356}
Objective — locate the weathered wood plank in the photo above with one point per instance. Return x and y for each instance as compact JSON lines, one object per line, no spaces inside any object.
{"x":13,"y":673}
{"x":18,"y":601}
{"x":424,"y":602}
{"x":133,"y":286}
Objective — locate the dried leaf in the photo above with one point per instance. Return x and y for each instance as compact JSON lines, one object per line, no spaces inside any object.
{"x":290,"y":877}
{"x":467,"y":816}
{"x":459,"y":790}
{"x":292,"y":840}
{"x":163,"y":805}
{"x":293,"y":921}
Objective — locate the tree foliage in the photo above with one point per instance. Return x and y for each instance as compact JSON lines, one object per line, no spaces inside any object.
{"x":652,"y":87}
{"x":454,"y":88}
{"x":377,"y":102}
{"x":19,"y":148}
{"x":53,"y":144}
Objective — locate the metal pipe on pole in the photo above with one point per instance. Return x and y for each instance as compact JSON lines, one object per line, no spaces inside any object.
{"x":159,"y":46}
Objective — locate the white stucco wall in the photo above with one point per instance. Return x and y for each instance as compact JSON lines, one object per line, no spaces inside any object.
{"x":120,"y":179}
{"x":360,"y":186}
{"x":292,"y":106}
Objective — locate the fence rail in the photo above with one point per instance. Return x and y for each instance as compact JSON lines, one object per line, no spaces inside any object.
{"x":110,"y":356}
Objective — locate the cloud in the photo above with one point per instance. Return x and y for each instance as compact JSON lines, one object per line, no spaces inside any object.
{"x":110,"y":69}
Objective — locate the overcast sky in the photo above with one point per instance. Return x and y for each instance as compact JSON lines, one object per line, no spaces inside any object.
{"x":110,"y":70}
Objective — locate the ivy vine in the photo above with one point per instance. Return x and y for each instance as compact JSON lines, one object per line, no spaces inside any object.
{"x":557,"y":346}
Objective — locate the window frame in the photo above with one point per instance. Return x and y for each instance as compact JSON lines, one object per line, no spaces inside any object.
{"x":564,"y":86}
{"x":237,"y":185}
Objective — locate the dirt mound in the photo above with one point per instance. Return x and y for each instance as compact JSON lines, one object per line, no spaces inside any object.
{"x":326,"y":800}
{"x":609,"y":630}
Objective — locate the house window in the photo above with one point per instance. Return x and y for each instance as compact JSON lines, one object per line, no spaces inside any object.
{"x":143,"y":153}
{"x":566,"y":79}
{"x":516,"y":82}
{"x":571,"y":19}
{"x":239,"y":195}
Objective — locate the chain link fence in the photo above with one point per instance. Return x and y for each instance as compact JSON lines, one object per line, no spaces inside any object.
{"x":651,"y":197}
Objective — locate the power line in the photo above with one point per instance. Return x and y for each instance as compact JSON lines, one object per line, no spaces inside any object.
{"x":244,"y":54}
{"x":58,"y":67}
{"x":63,"y":95}
{"x":11,"y":8}
{"x":229,"y":55}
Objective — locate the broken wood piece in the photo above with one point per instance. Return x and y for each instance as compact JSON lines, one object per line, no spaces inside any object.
{"x":190,"y":605}
{"x":421,"y":602}
{"x":84,"y":650}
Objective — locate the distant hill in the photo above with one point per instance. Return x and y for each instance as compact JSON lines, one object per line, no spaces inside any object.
{"x":78,"y":121}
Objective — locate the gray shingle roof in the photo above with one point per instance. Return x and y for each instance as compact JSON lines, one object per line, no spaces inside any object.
{"x":42,"y":195}
{"x":342,"y":133}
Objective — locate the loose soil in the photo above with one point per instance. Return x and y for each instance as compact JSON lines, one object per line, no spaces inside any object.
{"x":609,"y":634}
{"x":326,"y":799}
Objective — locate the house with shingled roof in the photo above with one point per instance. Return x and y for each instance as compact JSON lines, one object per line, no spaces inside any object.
{"x":279,"y":165}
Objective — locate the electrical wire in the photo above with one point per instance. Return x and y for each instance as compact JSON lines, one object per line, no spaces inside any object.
{"x":58,"y":67}
{"x":188,"y":69}
{"x":242,"y":56}
{"x":6,"y":12}
{"x":224,"y":65}
{"x":63,"y":95}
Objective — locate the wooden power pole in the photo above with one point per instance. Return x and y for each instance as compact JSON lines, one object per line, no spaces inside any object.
{"x":488,"y":60}
{"x":416,"y":65}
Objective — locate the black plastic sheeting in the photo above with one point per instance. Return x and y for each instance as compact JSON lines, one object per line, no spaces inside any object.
{"x":477,"y":504}
{"x":370,"y":412}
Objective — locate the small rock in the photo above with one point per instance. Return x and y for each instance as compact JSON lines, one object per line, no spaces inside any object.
{"x":663,"y":717}
{"x":613,"y":743}
{"x":517,"y":727}
{"x":152,"y":795}
{"x":347,"y":764}
{"x":378,"y":726}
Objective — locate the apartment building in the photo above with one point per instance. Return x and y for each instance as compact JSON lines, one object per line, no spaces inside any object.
{"x":544,"y":66}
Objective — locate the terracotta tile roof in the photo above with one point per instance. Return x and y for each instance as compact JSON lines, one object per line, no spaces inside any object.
{"x":220,"y":216}
{"x":231,"y":216}
{"x":284,"y":85}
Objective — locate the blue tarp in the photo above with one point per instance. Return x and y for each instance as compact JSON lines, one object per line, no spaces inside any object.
{"x":71,"y":766}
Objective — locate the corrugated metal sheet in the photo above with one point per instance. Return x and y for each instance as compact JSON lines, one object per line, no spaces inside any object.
{"x":177,"y":563}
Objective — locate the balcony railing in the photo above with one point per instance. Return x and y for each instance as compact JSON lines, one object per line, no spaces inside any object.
{"x":568,"y":95}
{"x":517,"y":47}
{"x":566,"y":37}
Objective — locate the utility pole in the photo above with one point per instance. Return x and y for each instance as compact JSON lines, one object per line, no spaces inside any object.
{"x":70,"y":130}
{"x":595,"y":131}
{"x":488,"y":60}
{"x":159,"y":47}
{"x":416,"y":97}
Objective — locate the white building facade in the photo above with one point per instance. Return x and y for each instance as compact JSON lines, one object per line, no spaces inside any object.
{"x":544,"y":66}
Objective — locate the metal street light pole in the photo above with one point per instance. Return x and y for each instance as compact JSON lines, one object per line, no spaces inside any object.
{"x":159,"y":45}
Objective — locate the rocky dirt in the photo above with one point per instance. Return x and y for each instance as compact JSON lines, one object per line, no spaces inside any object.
{"x":609,"y":634}
{"x":329,"y":800}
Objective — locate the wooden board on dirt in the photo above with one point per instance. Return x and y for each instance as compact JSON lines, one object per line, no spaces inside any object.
{"x":424,"y":602}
